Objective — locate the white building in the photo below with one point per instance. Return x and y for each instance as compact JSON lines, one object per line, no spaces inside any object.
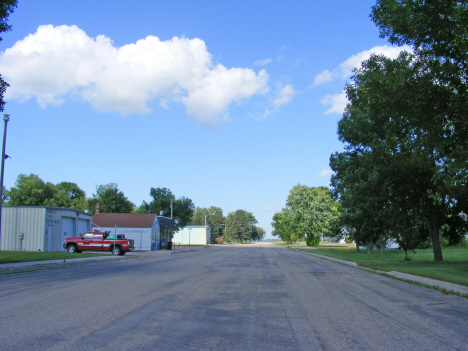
{"x":193,"y":235}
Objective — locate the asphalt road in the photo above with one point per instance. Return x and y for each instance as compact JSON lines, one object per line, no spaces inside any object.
{"x":246,"y":297}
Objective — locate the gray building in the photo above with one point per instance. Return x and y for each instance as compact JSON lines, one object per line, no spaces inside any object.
{"x":41,"y":228}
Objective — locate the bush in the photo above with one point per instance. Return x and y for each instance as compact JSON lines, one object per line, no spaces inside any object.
{"x":312,"y":241}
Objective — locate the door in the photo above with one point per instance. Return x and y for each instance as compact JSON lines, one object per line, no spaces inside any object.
{"x":82,"y":227}
{"x":67,"y":230}
{"x":49,"y":238}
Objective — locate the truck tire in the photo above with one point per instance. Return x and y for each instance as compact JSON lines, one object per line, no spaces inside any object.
{"x":71,"y":248}
{"x":116,"y":250}
{"x":122,"y":252}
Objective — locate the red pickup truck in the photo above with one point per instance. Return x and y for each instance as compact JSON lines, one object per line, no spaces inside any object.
{"x":99,"y":241}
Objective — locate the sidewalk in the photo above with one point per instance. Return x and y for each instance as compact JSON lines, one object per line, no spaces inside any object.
{"x":408,"y":277}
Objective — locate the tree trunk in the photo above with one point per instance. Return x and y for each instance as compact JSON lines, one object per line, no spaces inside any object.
{"x":434,"y":232}
{"x":357,"y":246}
{"x":369,"y":247}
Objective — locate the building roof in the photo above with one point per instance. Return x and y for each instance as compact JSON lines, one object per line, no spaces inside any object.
{"x":124,"y":220}
{"x":132,"y":220}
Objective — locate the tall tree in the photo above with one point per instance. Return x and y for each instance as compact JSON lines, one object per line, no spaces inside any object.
{"x":238,"y":225}
{"x":182,"y":210}
{"x":110,"y":199}
{"x":399,"y":117}
{"x":6,"y":9}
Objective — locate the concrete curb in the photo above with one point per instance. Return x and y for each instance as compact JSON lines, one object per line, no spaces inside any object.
{"x":408,"y":277}
{"x":65,"y":260}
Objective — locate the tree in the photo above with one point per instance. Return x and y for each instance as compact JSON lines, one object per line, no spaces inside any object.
{"x":32,"y":191}
{"x":182,"y":210}
{"x":257,"y":233}
{"x":110,"y":199}
{"x":313,"y":211}
{"x":400,"y":139}
{"x":282,"y":224}
{"x":6,"y":9}
{"x":238,"y":225}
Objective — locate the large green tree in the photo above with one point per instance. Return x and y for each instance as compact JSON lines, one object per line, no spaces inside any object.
{"x":398,"y":130}
{"x":239,"y":225}
{"x":182,"y":209}
{"x":310,"y":212}
{"x":6,"y":9}
{"x":30,"y":190}
{"x":110,"y":199}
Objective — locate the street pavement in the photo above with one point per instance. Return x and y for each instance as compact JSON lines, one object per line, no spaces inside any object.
{"x":240,"y":297}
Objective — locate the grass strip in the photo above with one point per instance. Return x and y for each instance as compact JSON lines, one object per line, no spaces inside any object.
{"x":454,"y":268}
{"x":25,"y":256}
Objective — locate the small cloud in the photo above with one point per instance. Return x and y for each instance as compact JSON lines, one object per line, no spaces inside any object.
{"x":298,"y":61}
{"x":284,"y":96}
{"x":324,"y":77}
{"x":338,"y":103}
{"x":263,"y":62}
{"x":268,"y":208}
{"x":326,"y":173}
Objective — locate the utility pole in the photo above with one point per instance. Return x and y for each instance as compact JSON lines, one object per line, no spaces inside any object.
{"x":6,"y":118}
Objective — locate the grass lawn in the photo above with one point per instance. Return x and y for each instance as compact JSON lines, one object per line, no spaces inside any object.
{"x":453,"y":269}
{"x":24,"y":256}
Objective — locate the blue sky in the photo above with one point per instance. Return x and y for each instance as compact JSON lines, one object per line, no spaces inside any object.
{"x":228,"y":103}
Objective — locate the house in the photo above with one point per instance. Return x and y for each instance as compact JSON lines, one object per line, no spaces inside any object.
{"x":149,"y":231}
{"x":41,"y":228}
{"x":193,"y":235}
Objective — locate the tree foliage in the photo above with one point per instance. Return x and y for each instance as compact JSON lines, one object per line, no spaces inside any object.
{"x":404,"y":170}
{"x":30,"y":190}
{"x":239,"y":225}
{"x":310,"y":212}
{"x":110,"y":199}
{"x":182,"y":210}
{"x":6,"y":9}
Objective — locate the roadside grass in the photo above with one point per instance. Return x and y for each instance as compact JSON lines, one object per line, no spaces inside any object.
{"x":283,"y":244}
{"x":454,"y":268}
{"x":25,"y":256}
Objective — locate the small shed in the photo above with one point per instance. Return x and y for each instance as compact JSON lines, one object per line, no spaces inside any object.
{"x":41,"y":228}
{"x":146,"y":229}
{"x":193,"y":235}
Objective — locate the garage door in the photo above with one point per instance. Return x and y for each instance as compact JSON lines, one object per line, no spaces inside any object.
{"x":83,"y":227}
{"x":67,"y":230}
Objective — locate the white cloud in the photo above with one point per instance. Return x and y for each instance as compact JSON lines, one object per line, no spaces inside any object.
{"x":263,"y":62}
{"x":326,"y":173}
{"x":345,"y":68}
{"x":338,"y":103}
{"x":268,"y":208}
{"x":284,"y":96}
{"x":56,"y":62}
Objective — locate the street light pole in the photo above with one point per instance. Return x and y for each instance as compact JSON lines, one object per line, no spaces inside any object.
{"x":6,"y":118}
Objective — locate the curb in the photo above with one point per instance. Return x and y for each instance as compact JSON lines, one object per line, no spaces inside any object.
{"x":460,"y":289}
{"x":65,"y":260}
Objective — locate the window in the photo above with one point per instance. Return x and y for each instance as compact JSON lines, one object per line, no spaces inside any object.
{"x":97,"y":236}
{"x":88,"y":236}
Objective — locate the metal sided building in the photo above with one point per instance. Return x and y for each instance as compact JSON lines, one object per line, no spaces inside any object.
{"x":193,"y":235}
{"x":41,"y":228}
{"x":146,"y":229}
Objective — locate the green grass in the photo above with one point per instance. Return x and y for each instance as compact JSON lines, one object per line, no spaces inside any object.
{"x":282,"y":243}
{"x":454,"y":268}
{"x":25,"y":256}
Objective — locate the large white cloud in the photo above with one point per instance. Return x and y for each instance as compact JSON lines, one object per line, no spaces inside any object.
{"x":345,"y":68}
{"x":58,"y":61}
{"x":337,"y":102}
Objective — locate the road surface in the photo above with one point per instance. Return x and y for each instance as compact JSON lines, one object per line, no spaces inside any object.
{"x":241,"y":297}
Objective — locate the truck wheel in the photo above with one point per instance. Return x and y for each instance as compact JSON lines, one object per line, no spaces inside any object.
{"x":116,"y":250}
{"x":71,"y":248}
{"x":122,"y":252}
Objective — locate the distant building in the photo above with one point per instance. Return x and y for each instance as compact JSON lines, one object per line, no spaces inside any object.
{"x":193,"y":235}
{"x":149,"y":231}
{"x":41,"y":228}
